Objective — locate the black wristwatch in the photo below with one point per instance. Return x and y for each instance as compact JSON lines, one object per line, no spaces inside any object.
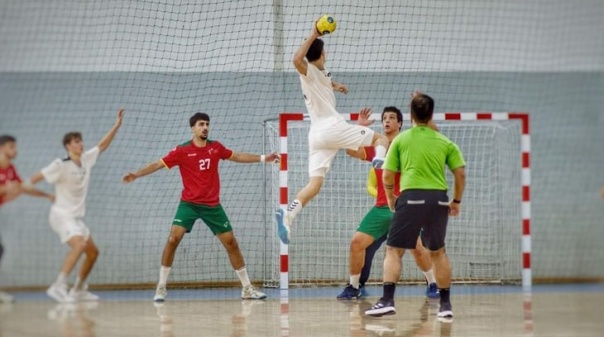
{"x":455,"y":201}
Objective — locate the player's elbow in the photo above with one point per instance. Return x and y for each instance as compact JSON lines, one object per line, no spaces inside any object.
{"x":459,"y":174}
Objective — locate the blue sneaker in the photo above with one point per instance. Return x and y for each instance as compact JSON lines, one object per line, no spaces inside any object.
{"x":282,"y":227}
{"x":349,"y":293}
{"x":377,"y":163}
{"x":432,"y":291}
{"x":363,"y":292}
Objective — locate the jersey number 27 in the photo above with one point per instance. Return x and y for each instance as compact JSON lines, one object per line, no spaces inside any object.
{"x":204,"y":164}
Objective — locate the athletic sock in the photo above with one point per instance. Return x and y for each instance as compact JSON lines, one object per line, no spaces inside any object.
{"x":243,"y":277}
{"x":61,"y":279}
{"x":294,"y":208}
{"x":163,"y":275}
{"x":430,"y":276}
{"x":389,"y":288}
{"x":78,"y":284}
{"x":444,"y":295}
{"x":354,"y":280}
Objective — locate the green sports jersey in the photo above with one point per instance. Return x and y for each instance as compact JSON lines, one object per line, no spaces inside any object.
{"x":420,"y":154}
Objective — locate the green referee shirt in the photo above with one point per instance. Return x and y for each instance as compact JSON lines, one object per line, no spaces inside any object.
{"x":420,"y":154}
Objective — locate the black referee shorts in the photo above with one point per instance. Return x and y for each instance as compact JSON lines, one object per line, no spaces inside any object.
{"x":416,"y":210}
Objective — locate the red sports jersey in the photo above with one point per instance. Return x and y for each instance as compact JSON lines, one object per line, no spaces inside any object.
{"x":381,"y":199}
{"x":6,"y":175}
{"x":199,"y":170}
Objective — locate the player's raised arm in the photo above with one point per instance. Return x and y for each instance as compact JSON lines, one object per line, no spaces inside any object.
{"x":108,"y":138}
{"x":240,"y":157}
{"x":298,"y":59}
{"x":151,"y":168}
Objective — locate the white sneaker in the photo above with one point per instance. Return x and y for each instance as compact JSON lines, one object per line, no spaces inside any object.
{"x":83,"y":294}
{"x":250,"y":293}
{"x":58,"y":292}
{"x":6,"y":298}
{"x":160,"y":293}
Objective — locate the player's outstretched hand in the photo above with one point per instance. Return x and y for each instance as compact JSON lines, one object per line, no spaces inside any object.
{"x":454,"y":208}
{"x":120,"y":116}
{"x":129,"y":177}
{"x":314,"y":33}
{"x":364,"y":117}
{"x":415,"y":93}
{"x":272,"y":158}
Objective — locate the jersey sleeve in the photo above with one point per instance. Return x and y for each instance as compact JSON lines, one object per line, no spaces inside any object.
{"x":172,"y":158}
{"x":369,"y":153}
{"x":52,"y":172}
{"x":454,"y":157}
{"x":392,"y":162}
{"x":89,"y":157}
{"x":223,"y":152}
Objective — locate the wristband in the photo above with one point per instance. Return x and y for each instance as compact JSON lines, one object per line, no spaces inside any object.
{"x":262,"y":158}
{"x":455,"y":201}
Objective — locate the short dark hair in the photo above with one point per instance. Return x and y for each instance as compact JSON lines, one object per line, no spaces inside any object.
{"x":4,"y":139}
{"x":315,"y":50}
{"x":399,"y":114}
{"x":71,"y":136}
{"x":199,"y":116}
{"x":422,"y":108}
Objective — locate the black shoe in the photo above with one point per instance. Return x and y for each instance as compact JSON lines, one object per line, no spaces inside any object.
{"x":381,"y":308}
{"x":445,"y":311}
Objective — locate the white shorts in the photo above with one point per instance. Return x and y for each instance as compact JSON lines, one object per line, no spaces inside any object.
{"x":67,"y":226}
{"x":325,"y":142}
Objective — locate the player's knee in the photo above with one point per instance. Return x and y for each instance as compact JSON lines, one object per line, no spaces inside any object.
{"x":93,"y":252}
{"x":357,"y":245}
{"x":231,"y":244}
{"x":174,"y":240}
{"x":438,"y":253}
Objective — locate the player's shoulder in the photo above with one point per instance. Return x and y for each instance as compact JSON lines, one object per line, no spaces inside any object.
{"x":214,"y":143}
{"x":183,"y":144}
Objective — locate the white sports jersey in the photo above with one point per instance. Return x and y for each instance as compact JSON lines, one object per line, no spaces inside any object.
{"x":319,"y":96}
{"x":71,"y":182}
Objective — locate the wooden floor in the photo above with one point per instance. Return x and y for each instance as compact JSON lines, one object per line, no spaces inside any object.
{"x":495,"y":312}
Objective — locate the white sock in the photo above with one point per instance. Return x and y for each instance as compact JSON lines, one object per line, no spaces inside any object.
{"x":163,"y":275}
{"x":380,"y":152}
{"x":294,"y":208}
{"x":354,"y":280}
{"x":243,"y":277}
{"x":430,"y":276}
{"x":78,"y":283}
{"x":61,"y":279}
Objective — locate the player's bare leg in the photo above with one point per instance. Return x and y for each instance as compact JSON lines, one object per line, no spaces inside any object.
{"x":423,"y":261}
{"x":304,"y":196}
{"x":176,"y":235}
{"x":58,"y":290}
{"x":358,"y":245}
{"x":392,"y":270}
{"x":79,"y":290}
{"x":229,"y":242}
{"x":442,"y":271}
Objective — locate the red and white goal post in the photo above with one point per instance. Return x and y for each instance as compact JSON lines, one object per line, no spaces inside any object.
{"x":490,"y":242}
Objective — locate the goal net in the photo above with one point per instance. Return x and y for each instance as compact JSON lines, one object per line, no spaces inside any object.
{"x":484,"y":243}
